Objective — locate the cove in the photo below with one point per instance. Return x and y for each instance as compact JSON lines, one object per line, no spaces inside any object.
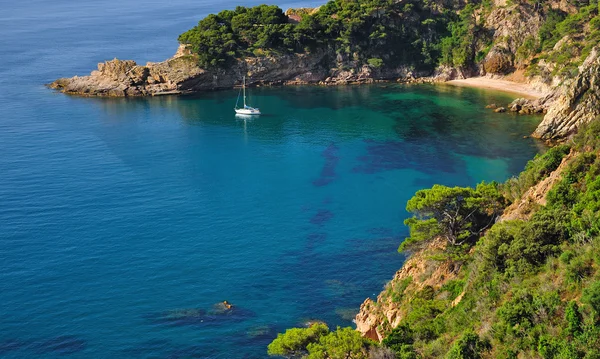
{"x":125,"y":220}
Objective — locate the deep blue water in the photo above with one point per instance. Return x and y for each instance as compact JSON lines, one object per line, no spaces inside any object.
{"x":115,"y":213}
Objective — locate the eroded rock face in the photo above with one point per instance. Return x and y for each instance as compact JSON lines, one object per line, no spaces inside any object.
{"x":181,"y":74}
{"x":512,"y":25}
{"x":376,"y":319}
{"x":575,"y":103}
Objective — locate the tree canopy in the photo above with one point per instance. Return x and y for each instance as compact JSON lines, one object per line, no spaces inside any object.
{"x":457,"y":214}
{"x":393,"y":32}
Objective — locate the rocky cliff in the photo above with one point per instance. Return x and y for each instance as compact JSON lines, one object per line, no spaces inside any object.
{"x":181,"y":74}
{"x":574,"y":103}
{"x":419,"y":275}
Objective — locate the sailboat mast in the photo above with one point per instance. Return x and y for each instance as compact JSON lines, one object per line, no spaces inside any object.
{"x":244,"y":87}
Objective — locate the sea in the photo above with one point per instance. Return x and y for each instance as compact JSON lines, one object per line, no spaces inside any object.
{"x":125,"y":223}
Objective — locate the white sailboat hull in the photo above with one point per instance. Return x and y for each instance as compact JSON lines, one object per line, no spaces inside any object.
{"x":247,"y":111}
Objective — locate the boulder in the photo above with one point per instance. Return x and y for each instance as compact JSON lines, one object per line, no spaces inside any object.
{"x":499,"y":60}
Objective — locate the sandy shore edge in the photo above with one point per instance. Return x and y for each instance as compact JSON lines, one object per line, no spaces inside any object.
{"x":522,"y":89}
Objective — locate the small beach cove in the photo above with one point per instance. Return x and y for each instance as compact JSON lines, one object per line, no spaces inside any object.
{"x":521,"y":89}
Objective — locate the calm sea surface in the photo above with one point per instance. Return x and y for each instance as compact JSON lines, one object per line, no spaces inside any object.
{"x":123,"y":221}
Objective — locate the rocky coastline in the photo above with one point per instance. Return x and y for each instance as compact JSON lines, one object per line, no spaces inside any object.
{"x":181,"y":75}
{"x":566,"y":106}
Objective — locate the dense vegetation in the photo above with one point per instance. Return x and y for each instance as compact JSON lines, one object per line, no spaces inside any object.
{"x":385,"y":33}
{"x":565,"y":39}
{"x":369,"y":31}
{"x":529,"y":288}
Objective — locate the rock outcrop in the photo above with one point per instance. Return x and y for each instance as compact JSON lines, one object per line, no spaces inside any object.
{"x":575,"y":103}
{"x":510,"y":27}
{"x":181,"y":74}
{"x":377,"y":318}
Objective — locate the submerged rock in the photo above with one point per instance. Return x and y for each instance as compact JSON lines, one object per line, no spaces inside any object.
{"x":184,"y":316}
{"x":221,"y":312}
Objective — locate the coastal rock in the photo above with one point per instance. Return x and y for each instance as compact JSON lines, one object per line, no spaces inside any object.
{"x":575,"y":103}
{"x":498,"y":61}
{"x":512,"y":25}
{"x":181,"y":74}
{"x":376,"y":319}
{"x":525,"y":106}
{"x":500,"y":109}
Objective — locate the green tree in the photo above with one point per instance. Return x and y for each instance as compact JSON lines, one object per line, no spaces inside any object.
{"x":400,"y":340}
{"x":457,"y":214}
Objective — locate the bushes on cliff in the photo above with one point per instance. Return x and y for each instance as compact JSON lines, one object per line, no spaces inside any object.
{"x":469,"y":346}
{"x":458,"y":49}
{"x":535,"y":170}
{"x":519,"y":247}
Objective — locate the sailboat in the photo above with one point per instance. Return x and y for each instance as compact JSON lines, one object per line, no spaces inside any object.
{"x":246,"y":110}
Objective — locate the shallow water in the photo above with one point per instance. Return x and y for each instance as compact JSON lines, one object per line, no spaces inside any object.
{"x":123,"y":221}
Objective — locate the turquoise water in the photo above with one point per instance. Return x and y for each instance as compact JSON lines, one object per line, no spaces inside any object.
{"x":116,"y":213}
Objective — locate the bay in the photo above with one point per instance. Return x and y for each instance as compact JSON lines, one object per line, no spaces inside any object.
{"x":123,"y":221}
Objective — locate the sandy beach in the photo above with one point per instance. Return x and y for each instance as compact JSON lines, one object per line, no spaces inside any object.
{"x":522,"y":89}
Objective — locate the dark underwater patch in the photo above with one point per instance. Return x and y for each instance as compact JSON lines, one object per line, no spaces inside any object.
{"x":328,"y":171}
{"x":316,"y":238}
{"x":153,"y":347}
{"x":192,"y":351}
{"x":321,"y":217}
{"x":65,"y":344}
{"x":257,"y":336}
{"x":381,"y":231}
{"x":199,"y":317}
{"x":9,"y":345}
{"x":397,"y":155}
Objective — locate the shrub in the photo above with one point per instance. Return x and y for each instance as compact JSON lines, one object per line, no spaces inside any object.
{"x":573,"y":318}
{"x":591,"y":296}
{"x":295,"y":341}
{"x":375,"y":62}
{"x":469,"y":346}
